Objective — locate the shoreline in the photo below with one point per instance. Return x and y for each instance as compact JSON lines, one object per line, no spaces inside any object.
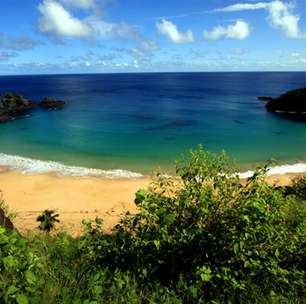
{"x":77,"y":196}
{"x":31,"y":166}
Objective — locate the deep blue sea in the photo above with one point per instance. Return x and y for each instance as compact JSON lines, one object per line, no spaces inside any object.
{"x":141,"y":122}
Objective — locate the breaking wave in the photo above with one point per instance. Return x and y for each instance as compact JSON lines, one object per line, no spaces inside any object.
{"x":35,"y":166}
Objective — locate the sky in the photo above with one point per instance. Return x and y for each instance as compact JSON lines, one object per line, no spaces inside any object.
{"x":116,"y":36}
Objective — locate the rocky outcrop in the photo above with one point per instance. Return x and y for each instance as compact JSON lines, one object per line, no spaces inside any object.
{"x":5,"y":221}
{"x":265,"y":98}
{"x":51,"y":104}
{"x":291,"y":105}
{"x":15,"y":105}
{"x":4,"y":117}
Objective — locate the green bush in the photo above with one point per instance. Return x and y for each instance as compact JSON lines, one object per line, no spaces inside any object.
{"x":212,"y":237}
{"x":199,"y":237}
{"x":298,"y":188}
{"x":20,"y":269}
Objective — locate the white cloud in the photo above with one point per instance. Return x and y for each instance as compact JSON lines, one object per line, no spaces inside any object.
{"x":100,"y":28}
{"x":85,"y":4}
{"x":56,"y":20}
{"x":4,"y":56}
{"x":280,"y":15}
{"x":298,"y":58}
{"x":169,"y":29}
{"x":243,"y":7}
{"x":296,"y":55}
{"x":23,"y":42}
{"x":149,"y":45}
{"x":239,"y":30}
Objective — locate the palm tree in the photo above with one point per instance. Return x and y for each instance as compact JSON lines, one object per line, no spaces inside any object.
{"x":47,"y":220}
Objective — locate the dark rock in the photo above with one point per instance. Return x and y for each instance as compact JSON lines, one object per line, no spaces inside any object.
{"x":22,"y":110}
{"x":5,"y":221}
{"x":14,"y":105}
{"x":4,"y":117}
{"x":265,"y":98}
{"x":52,"y":104}
{"x":291,"y":105}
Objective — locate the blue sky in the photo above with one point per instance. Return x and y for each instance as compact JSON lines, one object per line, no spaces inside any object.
{"x":96,"y":36}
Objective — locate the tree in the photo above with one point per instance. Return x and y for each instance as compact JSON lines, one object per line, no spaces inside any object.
{"x":47,"y":220}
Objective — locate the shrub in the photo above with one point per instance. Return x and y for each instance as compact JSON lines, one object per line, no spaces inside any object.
{"x":5,"y":208}
{"x":199,"y":237}
{"x":205,"y":233}
{"x":298,"y":188}
{"x":20,"y":269}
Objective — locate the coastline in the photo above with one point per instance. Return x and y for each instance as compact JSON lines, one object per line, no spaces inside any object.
{"x":31,"y":166}
{"x":78,"y":196}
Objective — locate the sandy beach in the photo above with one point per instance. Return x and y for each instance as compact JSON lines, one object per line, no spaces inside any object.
{"x":75,"y":198}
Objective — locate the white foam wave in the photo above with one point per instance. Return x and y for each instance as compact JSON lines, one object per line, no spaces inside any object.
{"x":35,"y":166}
{"x":283,"y":169}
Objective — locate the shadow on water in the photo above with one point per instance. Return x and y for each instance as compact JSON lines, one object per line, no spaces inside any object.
{"x":168,"y":138}
{"x":239,"y":122}
{"x":143,"y":116}
{"x":173,"y":124}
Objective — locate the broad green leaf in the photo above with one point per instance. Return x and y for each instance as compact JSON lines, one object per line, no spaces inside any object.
{"x":141,"y":195}
{"x":157,"y":244}
{"x":22,"y":299}
{"x":8,"y":262}
{"x":11,"y":290}
{"x":30,"y":277}
{"x":236,"y":248}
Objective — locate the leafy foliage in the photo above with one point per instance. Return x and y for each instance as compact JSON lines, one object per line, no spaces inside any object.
{"x":199,"y":237}
{"x":13,"y":100}
{"x":298,"y":188}
{"x":7,"y":212}
{"x":47,"y":220}
{"x":20,"y":268}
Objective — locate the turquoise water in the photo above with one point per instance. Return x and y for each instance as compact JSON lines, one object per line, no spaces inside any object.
{"x":141,"y":122}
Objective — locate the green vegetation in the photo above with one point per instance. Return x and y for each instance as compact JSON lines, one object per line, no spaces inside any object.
{"x":12,"y":100}
{"x":47,"y":220}
{"x":13,"y":105}
{"x":298,"y":188}
{"x":201,"y":237}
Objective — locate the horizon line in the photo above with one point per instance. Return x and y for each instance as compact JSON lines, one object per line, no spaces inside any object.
{"x":155,"y":72}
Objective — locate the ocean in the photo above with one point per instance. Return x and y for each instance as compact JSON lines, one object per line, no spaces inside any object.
{"x":125,"y":124}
